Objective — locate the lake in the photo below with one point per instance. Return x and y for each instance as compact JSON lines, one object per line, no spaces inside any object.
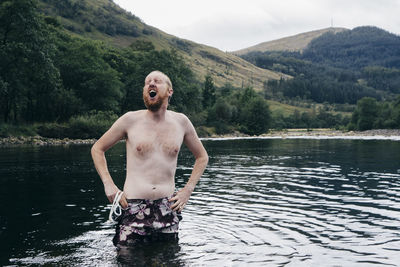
{"x":261,"y":202}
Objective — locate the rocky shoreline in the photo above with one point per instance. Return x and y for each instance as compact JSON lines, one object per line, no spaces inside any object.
{"x":290,"y":133}
{"x":395,"y":133}
{"x":42,"y":141}
{"x":329,"y":132}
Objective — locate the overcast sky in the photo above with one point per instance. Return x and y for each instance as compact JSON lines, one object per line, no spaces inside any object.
{"x":235,"y":24}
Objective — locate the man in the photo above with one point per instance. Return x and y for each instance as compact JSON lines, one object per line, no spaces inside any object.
{"x":153,"y":140}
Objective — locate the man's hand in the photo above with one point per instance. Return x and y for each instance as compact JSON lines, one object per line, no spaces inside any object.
{"x":181,"y":198}
{"x":111,"y":190}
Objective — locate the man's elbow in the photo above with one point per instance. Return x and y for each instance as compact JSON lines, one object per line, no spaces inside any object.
{"x":95,"y":150}
{"x":204,"y":158}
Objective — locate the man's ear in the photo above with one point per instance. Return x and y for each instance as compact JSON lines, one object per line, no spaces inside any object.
{"x":170,"y":92}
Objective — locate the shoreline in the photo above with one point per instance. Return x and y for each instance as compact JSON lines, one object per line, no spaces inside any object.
{"x":42,"y":141}
{"x":379,"y":134}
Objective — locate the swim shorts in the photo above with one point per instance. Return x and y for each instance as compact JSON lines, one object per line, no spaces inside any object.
{"x":146,"y":220}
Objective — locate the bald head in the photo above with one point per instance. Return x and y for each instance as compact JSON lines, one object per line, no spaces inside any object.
{"x":157,"y":90}
{"x":163,"y":75}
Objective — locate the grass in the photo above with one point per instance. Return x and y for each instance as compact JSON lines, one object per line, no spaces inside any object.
{"x":224,"y":67}
{"x":91,"y":125}
{"x":285,"y":109}
{"x":8,"y":130}
{"x":292,"y":43}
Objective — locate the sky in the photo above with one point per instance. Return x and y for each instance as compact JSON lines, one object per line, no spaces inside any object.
{"x":230,"y":25}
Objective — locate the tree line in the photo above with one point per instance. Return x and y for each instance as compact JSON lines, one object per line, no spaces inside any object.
{"x":371,"y":114}
{"x":323,"y":83}
{"x":355,"y":49}
{"x":353,"y":67}
{"x":64,"y":85}
{"x":70,"y":84}
{"x":46,"y":74}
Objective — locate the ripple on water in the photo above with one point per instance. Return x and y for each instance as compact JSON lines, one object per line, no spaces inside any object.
{"x":300,"y":214}
{"x":93,"y":248}
{"x":294,"y":209}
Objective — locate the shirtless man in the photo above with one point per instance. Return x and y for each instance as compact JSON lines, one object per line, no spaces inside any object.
{"x":153,"y":140}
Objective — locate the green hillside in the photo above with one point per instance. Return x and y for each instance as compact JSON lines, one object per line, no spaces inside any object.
{"x":338,"y":67}
{"x":70,"y":68}
{"x":359,"y":66}
{"x":295,"y":43}
{"x":104,"y":20}
{"x":356,"y":49}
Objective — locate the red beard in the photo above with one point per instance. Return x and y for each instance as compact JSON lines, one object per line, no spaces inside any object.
{"x":151,"y":104}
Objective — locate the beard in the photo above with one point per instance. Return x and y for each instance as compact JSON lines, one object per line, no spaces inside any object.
{"x":152,"y":105}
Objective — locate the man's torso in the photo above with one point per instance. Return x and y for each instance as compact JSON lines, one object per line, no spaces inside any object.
{"x":152,"y":150}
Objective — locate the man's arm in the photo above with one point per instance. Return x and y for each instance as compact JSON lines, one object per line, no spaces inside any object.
{"x":112,"y":136}
{"x":192,"y":141}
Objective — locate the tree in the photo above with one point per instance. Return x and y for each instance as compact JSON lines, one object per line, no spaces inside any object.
{"x":86,"y":73}
{"x":366,"y":113}
{"x":220,"y":115}
{"x":208,"y":92}
{"x":396,"y":112}
{"x":28,"y":76}
{"x":141,"y":45}
{"x":137,"y":65}
{"x":255,"y":116}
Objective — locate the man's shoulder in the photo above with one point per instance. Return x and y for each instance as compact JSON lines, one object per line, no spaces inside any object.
{"x":182,"y":119}
{"x":178,"y":116}
{"x":130,"y":117}
{"x":133,"y":114}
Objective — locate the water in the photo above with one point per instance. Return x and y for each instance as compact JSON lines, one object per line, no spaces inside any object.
{"x":261,"y":202}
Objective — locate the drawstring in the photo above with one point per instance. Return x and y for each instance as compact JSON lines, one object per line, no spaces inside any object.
{"x":116,"y":209}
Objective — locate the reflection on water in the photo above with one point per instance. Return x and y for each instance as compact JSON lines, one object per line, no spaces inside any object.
{"x":260,"y":203}
{"x":93,"y":248}
{"x":155,"y":253}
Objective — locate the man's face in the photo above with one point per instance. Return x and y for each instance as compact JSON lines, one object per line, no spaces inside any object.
{"x":155,"y":91}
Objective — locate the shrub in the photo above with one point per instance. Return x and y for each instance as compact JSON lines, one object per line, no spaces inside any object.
{"x":7,"y":130}
{"x":91,"y":125}
{"x":53,"y":130}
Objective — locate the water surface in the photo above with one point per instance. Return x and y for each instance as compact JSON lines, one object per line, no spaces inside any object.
{"x":261,"y":202}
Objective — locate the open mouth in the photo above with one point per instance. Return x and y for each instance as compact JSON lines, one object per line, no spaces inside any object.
{"x":152,"y":93}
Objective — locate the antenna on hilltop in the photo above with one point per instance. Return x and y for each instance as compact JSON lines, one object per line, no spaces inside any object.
{"x":331,"y":22}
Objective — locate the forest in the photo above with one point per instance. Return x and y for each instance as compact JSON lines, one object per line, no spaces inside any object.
{"x":62,"y":85}
{"x":342,"y":68}
{"x":57,"y":84}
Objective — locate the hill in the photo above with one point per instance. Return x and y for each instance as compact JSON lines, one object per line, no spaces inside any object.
{"x":356,"y":49}
{"x":104,"y":20}
{"x":295,"y":43}
{"x":82,"y":49}
{"x":338,"y":67}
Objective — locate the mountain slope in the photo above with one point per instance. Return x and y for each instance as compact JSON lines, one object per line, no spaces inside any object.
{"x":293,"y":43}
{"x":104,"y":20}
{"x":338,"y":68}
{"x":356,"y":49}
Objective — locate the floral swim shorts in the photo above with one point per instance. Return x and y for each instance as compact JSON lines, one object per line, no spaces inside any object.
{"x":146,"y":219}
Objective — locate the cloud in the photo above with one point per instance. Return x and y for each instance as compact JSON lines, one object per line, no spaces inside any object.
{"x":235,"y":24}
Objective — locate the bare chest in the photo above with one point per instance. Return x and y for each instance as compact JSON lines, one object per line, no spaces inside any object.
{"x":147,"y":140}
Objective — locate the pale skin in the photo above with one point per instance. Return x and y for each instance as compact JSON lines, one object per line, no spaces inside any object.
{"x":153,"y":140}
